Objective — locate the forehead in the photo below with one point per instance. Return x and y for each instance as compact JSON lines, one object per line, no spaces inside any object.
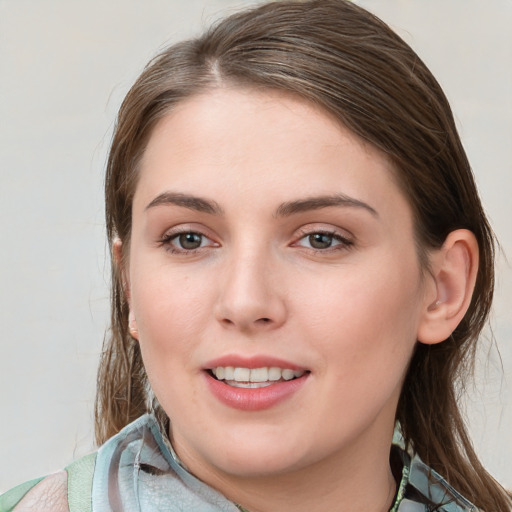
{"x":252,"y":142}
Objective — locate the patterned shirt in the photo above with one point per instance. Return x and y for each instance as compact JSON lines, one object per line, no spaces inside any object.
{"x":138,"y":471}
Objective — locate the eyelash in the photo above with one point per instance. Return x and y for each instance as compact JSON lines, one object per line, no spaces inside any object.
{"x":168,"y":238}
{"x":344,"y":243}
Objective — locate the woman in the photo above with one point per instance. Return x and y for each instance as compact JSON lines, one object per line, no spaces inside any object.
{"x":300,"y":259}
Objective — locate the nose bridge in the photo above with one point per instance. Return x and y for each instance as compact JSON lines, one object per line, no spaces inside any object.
{"x":249,"y":295}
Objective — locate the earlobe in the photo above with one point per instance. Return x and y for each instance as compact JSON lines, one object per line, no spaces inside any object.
{"x":117,"y":251}
{"x":454,"y":269}
{"x":132,"y":326}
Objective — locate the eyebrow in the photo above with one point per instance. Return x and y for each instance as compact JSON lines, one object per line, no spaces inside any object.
{"x":186,"y":201}
{"x":319,"y":202}
{"x":284,"y":210}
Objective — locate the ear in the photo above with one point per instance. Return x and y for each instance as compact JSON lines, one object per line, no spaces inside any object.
{"x":132,"y":325}
{"x":453,"y":274}
{"x":117,"y":255}
{"x":121,"y":268}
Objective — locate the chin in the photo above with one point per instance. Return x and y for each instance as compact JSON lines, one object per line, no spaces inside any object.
{"x":258,"y":466}
{"x":253,"y":456}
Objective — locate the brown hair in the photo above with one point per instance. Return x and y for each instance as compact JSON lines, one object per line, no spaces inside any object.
{"x":350,"y":64}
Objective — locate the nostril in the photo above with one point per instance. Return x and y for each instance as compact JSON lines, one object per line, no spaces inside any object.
{"x":264,"y":320}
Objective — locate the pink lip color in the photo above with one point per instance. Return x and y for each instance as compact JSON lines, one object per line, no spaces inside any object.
{"x":253,"y":399}
{"x":251,"y":362}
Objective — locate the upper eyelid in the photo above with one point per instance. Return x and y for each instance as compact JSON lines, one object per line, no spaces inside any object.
{"x":310,"y":229}
{"x":185,"y":228}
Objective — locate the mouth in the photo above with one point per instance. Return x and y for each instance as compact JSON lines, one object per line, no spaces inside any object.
{"x":254,"y":383}
{"x":254,"y":378}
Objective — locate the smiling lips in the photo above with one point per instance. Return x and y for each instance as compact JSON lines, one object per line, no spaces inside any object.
{"x":252,"y":386}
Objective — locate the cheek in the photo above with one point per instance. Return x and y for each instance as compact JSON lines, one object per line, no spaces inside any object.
{"x":367,"y":321}
{"x":171,"y":312}
{"x":171,"y":309}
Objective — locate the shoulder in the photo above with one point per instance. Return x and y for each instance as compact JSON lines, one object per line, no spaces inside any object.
{"x":424,"y":489}
{"x":70,"y":488}
{"x":50,"y":493}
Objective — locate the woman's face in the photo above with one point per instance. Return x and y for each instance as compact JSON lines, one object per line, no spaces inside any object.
{"x":271,"y":247}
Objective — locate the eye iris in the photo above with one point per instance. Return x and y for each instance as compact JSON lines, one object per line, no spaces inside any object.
{"x":320,"y":241}
{"x":190,"y":240}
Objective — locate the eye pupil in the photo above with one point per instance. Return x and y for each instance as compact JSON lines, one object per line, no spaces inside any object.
{"x":190,"y":240}
{"x":320,"y":240}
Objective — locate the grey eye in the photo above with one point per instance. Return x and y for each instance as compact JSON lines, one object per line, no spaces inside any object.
{"x":190,"y":241}
{"x":320,"y":240}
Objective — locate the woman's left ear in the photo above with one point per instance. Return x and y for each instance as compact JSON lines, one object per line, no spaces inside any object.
{"x":453,"y":271}
{"x":118,"y":258}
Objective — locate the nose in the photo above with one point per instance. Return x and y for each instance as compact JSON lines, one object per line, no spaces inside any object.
{"x":251,"y":297}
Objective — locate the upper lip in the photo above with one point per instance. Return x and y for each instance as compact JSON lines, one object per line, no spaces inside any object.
{"x":259,"y":361}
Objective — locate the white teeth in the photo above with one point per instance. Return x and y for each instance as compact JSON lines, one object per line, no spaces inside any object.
{"x":259,"y":375}
{"x":287,"y":374}
{"x":242,"y":374}
{"x":274,"y":373}
{"x":262,"y":376}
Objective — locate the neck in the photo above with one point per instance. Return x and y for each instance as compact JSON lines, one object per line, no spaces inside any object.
{"x":354,"y":490}
{"x":353,"y":493}
{"x":358,"y":478}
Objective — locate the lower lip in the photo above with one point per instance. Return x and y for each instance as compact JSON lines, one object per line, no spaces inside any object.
{"x":254,"y":399}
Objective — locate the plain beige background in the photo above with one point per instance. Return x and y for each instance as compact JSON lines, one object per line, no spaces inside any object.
{"x":64,"y":68}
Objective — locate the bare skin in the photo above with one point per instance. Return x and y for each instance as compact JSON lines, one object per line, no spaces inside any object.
{"x":262,"y":228}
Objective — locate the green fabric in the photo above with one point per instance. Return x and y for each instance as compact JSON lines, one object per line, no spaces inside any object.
{"x":11,"y":498}
{"x":80,"y":474}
